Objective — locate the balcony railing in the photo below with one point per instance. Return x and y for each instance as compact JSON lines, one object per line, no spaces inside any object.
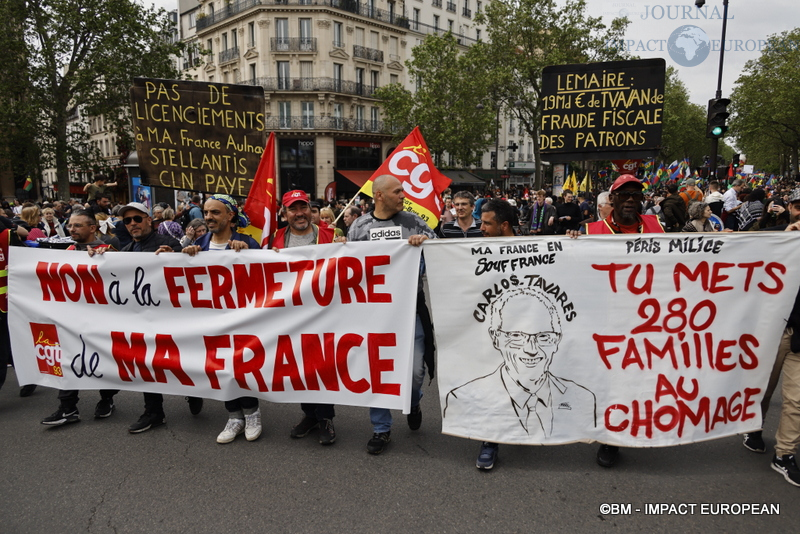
{"x":451,"y":6}
{"x":325,"y":123}
{"x":293,"y":44}
{"x":351,"y":6}
{"x":327,"y":85}
{"x":427,"y":29}
{"x":467,"y":12}
{"x":367,"y":53}
{"x":437,"y":3}
{"x":230,"y":54}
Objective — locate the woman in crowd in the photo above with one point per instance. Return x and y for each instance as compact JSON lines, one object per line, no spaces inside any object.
{"x":699,"y":214}
{"x":168,"y":225}
{"x":751,"y":210}
{"x":326,"y":216}
{"x":50,"y":225}
{"x":194,"y":230}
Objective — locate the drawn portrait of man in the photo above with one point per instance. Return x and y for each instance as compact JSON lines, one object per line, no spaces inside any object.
{"x":522,"y":400}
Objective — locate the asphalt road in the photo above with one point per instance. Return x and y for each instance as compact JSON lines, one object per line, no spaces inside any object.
{"x":95,"y":477}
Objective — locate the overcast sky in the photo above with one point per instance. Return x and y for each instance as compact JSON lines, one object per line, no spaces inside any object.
{"x":652,"y":23}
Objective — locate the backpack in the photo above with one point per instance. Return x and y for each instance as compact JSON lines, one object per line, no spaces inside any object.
{"x":184,"y":218}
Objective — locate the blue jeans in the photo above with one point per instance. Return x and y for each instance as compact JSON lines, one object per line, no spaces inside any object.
{"x":381,"y":418}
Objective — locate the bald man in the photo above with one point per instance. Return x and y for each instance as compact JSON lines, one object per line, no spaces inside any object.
{"x":389,"y":221}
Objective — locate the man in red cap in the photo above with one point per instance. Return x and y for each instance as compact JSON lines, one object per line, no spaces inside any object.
{"x":626,"y":218}
{"x":301,"y":231}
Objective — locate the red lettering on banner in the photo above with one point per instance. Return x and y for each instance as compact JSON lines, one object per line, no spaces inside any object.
{"x":647,"y":287}
{"x":612,"y":269}
{"x":60,"y":282}
{"x":371,"y":262}
{"x":642,"y":420}
{"x":174,"y":290}
{"x":168,"y":358}
{"x":221,"y":286}
{"x":299,"y":267}
{"x":712,"y":277}
{"x":253,"y":366}
{"x":346,"y":344}
{"x":350,"y":282}
{"x":665,"y":387}
{"x":213,"y":363}
{"x":770,"y":269}
{"x":378,"y":365}
{"x":195,"y":286}
{"x":317,"y":362}
{"x":286,"y":366}
{"x":620,"y":427}
{"x":324,"y":299}
{"x":604,"y":352}
{"x":250,"y":287}
{"x":270,"y":270}
{"x":130,"y":356}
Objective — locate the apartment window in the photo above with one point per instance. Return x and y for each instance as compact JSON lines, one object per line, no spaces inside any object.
{"x":234,"y":39}
{"x":338,"y":35}
{"x":393,"y":48}
{"x":283,"y":75}
{"x":253,"y":71}
{"x":359,"y":118}
{"x":360,"y":36}
{"x":282,"y":33}
{"x":192,"y":19}
{"x":374,"y":75}
{"x":338,"y":70}
{"x":374,"y":115}
{"x":306,"y":73}
{"x":478,"y":34}
{"x":338,"y":116}
{"x":305,"y":34}
{"x":374,"y":39}
{"x":251,"y":35}
{"x":360,"y":81}
{"x":224,"y":42}
{"x":436,"y":22}
{"x":285,"y":114}
{"x":225,"y":77}
{"x":393,"y":78}
{"x":450,"y":26}
{"x":307,"y":110}
{"x":211,"y":10}
{"x":511,"y":125}
{"x":210,"y":46}
{"x":416,"y":20}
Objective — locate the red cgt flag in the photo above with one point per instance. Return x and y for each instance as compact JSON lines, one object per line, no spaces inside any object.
{"x":411,"y":163}
{"x":261,"y":205}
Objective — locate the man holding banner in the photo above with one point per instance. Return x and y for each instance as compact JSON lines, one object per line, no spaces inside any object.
{"x":388,"y":221}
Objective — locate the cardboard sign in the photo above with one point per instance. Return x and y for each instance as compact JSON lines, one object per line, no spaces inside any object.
{"x":198,"y":136}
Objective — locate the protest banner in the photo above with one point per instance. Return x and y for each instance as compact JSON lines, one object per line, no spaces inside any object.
{"x":636,"y":341}
{"x":198,"y":136}
{"x":325,"y":324}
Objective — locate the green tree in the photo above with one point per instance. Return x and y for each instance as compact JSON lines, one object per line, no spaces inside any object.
{"x":525,"y":36}
{"x":765,"y":104}
{"x":445,"y":105}
{"x":80,"y":55}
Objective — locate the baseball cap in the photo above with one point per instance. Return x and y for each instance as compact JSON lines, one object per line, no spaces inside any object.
{"x":138,"y":206}
{"x":290,"y":197}
{"x":625,"y":179}
{"x":690,"y":181}
{"x":795,"y":196}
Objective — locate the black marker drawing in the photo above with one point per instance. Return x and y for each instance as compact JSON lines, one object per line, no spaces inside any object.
{"x":522,"y":398}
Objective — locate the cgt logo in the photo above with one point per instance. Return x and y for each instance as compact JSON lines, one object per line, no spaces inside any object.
{"x":47,"y":348}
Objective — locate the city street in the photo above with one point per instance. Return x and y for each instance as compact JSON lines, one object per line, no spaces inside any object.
{"x":95,"y":477}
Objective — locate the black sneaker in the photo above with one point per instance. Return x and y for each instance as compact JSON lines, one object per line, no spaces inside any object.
{"x":195,"y":405}
{"x":607,"y":455}
{"x":306,"y":425}
{"x":146,"y":422}
{"x":62,"y":417}
{"x":327,"y":435}
{"x":378,"y":442}
{"x":27,"y":391}
{"x":415,"y":417}
{"x":787,"y":467}
{"x":104,"y":408}
{"x":487,"y":456}
{"x":754,"y":442}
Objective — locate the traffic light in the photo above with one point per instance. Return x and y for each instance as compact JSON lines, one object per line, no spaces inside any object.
{"x":735,"y":161}
{"x":493,"y":157}
{"x":717,"y":115}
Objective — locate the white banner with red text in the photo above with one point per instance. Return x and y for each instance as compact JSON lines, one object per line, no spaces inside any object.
{"x":636,"y":341}
{"x":321,"y":324}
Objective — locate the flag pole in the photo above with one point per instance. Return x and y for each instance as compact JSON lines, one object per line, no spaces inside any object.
{"x":345,"y":208}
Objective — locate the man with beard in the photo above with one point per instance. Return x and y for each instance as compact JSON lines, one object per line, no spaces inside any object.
{"x":301,"y":231}
{"x":626,"y":218}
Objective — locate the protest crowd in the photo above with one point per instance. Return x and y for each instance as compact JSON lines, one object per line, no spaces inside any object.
{"x":95,"y":225}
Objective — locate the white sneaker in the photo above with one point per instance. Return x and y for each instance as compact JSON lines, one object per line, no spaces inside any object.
{"x":252,"y":428}
{"x":233,"y":428}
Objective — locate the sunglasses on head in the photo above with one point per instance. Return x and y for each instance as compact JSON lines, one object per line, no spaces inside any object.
{"x":135,"y":218}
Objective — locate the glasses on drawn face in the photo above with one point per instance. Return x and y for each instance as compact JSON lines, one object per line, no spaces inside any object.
{"x":136,"y":218}
{"x":633,"y":195}
{"x":541,"y":339}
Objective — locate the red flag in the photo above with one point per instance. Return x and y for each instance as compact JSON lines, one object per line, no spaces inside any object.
{"x":261,"y":206}
{"x":411,"y":163}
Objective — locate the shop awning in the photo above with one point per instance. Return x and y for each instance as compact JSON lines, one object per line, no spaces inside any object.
{"x":464,"y":178}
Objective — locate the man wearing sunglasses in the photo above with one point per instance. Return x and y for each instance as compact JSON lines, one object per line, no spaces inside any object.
{"x":139,"y":224}
{"x":626,"y":218}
